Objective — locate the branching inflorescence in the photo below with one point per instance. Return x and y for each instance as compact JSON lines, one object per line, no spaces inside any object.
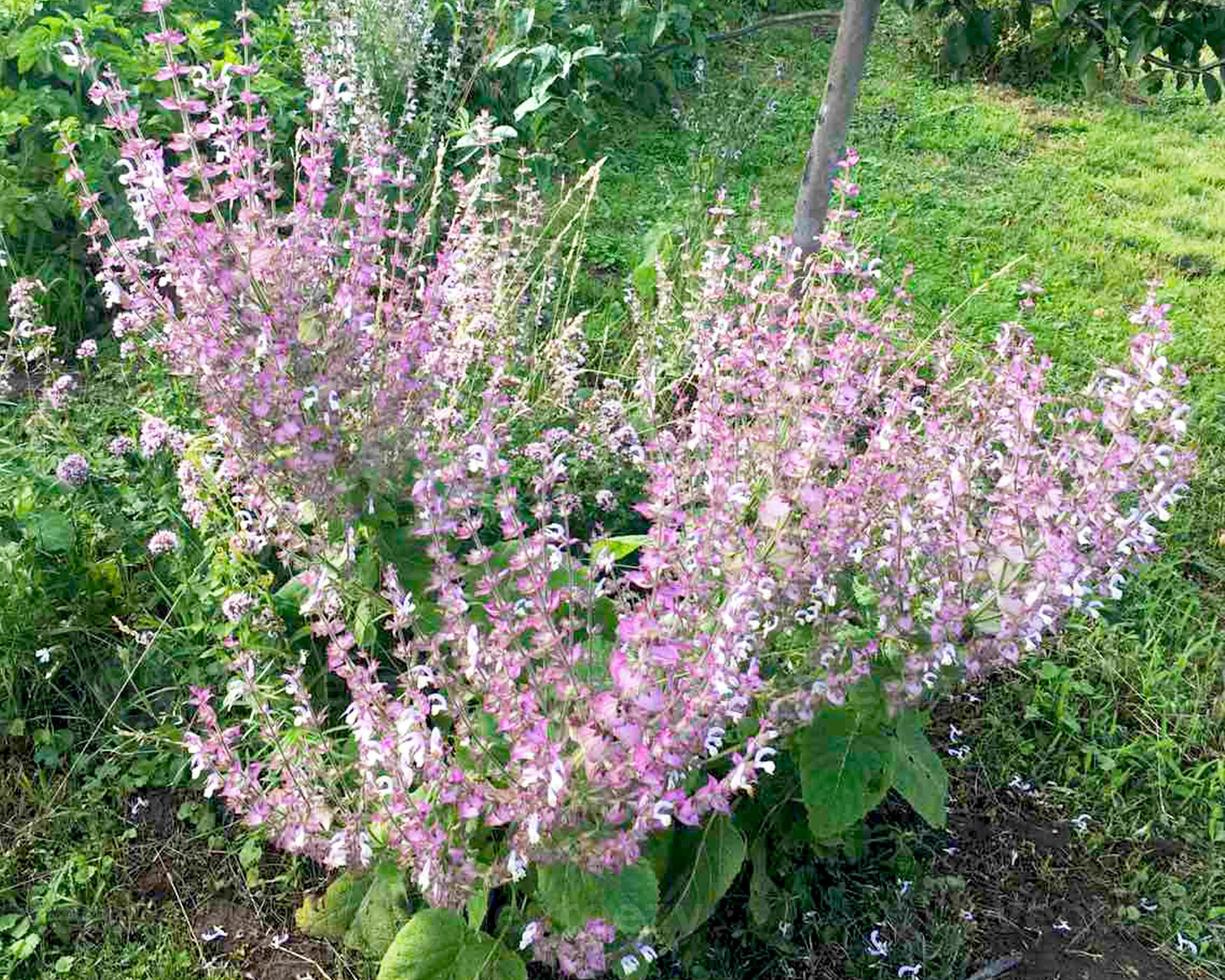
{"x":820,"y":473}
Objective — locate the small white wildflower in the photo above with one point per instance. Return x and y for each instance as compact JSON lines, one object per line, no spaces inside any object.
{"x":213,"y":933}
{"x":909,"y":971}
{"x":516,"y":865}
{"x":530,"y":932}
{"x":1185,"y":945}
{"x":1062,"y":926}
{"x":629,"y":963}
{"x":877,"y":946}
{"x":1080,"y":822}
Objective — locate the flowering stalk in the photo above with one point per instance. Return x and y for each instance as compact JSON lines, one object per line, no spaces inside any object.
{"x":827,"y":499}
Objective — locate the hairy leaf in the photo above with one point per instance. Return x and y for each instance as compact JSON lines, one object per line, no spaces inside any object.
{"x":330,"y":915}
{"x":919,"y":772}
{"x":383,"y":909}
{"x":845,"y":771}
{"x":572,"y":896}
{"x":704,"y":863}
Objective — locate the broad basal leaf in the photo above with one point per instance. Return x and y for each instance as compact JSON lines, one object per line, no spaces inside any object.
{"x":330,"y":915}
{"x":383,"y":910}
{"x":573,"y":896}
{"x":844,"y":771}
{"x":702,"y":866}
{"x":919,"y":772}
{"x":436,"y":944}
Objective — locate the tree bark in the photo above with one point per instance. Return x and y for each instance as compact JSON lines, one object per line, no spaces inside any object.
{"x":855,"y":28}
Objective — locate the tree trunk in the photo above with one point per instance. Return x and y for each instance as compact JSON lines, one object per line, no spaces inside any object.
{"x":855,"y":28}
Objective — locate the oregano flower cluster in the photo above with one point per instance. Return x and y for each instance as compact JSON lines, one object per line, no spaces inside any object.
{"x":829,"y":498}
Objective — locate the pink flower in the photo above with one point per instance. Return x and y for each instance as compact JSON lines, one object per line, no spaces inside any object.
{"x":73,"y":470}
{"x":120,"y":446}
{"x":163,"y":542}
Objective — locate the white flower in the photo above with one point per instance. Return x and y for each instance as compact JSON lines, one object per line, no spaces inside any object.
{"x":877,"y":946}
{"x":909,"y":971}
{"x":761,"y":760}
{"x":1186,"y":946}
{"x":212,"y":933}
{"x":516,"y":865}
{"x":662,"y":813}
{"x":530,"y":932}
{"x":43,"y":655}
{"x":1062,"y":926}
{"x":629,"y":963}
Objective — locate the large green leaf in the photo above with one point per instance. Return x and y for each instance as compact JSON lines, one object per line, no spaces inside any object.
{"x":54,"y":531}
{"x":436,"y":944}
{"x":569,"y":894}
{"x":919,"y":772}
{"x":426,"y":948}
{"x":845,"y":771}
{"x":485,"y":958}
{"x":330,"y":915}
{"x":573,"y":896}
{"x":702,"y":866}
{"x":384,"y":908}
{"x":631,"y":898}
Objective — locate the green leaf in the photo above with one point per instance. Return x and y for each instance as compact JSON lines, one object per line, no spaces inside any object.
{"x":477,"y":908}
{"x":288,"y":599}
{"x":764,"y":895}
{"x":919,"y":772}
{"x":329,"y":916}
{"x":569,"y":894}
{"x":845,"y":771}
{"x":1063,"y":9}
{"x":484,"y":958}
{"x":436,"y":944}
{"x":573,"y":896}
{"x":383,"y":909}
{"x":631,"y":898}
{"x":619,"y":548}
{"x":426,"y":948}
{"x":702,"y":866}
{"x":521,"y":22}
{"x":54,"y":531}
{"x":661,"y":24}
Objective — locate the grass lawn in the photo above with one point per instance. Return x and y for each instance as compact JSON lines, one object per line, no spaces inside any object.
{"x":1093,"y":793}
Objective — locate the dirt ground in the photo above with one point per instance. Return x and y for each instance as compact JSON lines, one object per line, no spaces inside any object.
{"x":231,"y":927}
